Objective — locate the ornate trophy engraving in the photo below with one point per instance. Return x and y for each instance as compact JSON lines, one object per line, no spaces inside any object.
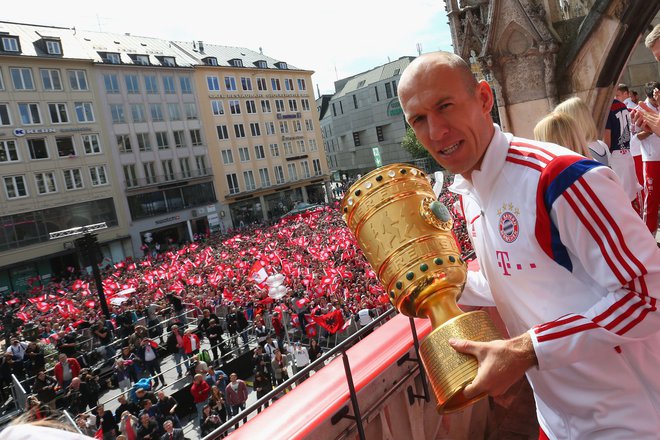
{"x":406,"y":236}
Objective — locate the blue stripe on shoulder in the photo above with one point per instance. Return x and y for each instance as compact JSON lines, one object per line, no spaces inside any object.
{"x":562,"y":182}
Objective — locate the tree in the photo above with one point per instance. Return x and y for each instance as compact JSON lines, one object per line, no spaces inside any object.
{"x":411,"y":144}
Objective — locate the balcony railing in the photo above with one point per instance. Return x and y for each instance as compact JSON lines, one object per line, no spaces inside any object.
{"x":161,"y":179}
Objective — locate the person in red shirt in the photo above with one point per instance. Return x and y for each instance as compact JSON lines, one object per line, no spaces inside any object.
{"x":65,"y":370}
{"x":200,"y":391}
{"x":190,"y":343}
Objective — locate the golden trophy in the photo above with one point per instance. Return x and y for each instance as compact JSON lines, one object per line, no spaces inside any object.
{"x":406,"y":236}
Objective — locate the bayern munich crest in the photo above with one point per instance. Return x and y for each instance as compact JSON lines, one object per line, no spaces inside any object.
{"x":509,"y":226}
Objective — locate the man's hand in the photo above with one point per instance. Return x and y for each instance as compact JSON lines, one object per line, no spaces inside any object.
{"x":501,"y":363}
{"x":646,"y":118}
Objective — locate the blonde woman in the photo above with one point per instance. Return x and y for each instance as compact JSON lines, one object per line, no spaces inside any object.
{"x":562,"y":129}
{"x":577,"y":108}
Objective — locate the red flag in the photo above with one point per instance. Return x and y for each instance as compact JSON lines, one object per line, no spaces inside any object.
{"x":226,"y":294}
{"x":311,"y":330}
{"x":13,"y":301}
{"x":332,"y":321}
{"x":258,"y":273}
{"x":99,"y":434}
{"x":346,"y":325}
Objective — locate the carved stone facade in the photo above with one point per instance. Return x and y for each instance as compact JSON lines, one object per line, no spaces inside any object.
{"x":536,"y":52}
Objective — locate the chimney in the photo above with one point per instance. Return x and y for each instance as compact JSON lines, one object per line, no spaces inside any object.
{"x":200,"y":44}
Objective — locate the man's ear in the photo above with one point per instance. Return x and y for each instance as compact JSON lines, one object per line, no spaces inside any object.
{"x":485,"y":94}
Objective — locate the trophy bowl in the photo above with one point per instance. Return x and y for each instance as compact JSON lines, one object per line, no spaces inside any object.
{"x":406,"y":236}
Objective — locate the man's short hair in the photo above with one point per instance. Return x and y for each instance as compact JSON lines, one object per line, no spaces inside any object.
{"x":649,"y":87}
{"x":623,"y":88}
{"x":653,"y":37}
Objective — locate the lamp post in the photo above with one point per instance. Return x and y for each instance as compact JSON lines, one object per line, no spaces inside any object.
{"x":88,"y":249}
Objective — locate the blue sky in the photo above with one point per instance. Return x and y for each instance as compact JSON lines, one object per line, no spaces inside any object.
{"x":336,"y":38}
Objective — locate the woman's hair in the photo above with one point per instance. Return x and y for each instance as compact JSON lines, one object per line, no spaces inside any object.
{"x":578,"y":110}
{"x":561,"y":129}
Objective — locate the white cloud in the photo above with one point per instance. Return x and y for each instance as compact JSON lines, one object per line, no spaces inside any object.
{"x":347,"y":35}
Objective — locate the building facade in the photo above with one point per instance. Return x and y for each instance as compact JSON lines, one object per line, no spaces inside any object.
{"x":262,"y":129}
{"x":362,"y":123}
{"x":55,"y":159}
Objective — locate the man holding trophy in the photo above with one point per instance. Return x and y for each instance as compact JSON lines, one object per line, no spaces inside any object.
{"x":570,"y":267}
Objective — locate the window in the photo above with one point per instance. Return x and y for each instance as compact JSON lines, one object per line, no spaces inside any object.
{"x":301,"y":84}
{"x":184,"y":164}
{"x":174,"y":110}
{"x":161,"y":140}
{"x":179,"y":138}
{"x":279,"y":105}
{"x":10,"y":44}
{"x":270,"y":127}
{"x":213,"y":83}
{"x":191,"y":110}
{"x":156,"y":112}
{"x":151,"y":84}
{"x":78,"y":80}
{"x":236,"y":62}
{"x":305,"y":169}
{"x":355,"y":101}
{"x":168,"y":85}
{"x":73,"y":179}
{"x":84,"y":112}
{"x":169,"y":61}
{"x":200,"y":161}
{"x":288,"y":148}
{"x":275,"y":84}
{"x":37,"y":148}
{"x":284,"y":127}
{"x":390,"y":89}
{"x":117,"y":113}
{"x":222,"y":132}
{"x":137,"y":113}
{"x":130,"y":176}
{"x":251,"y":106}
{"x":301,"y":145}
{"x":274,"y":150}
{"x":232,"y":183}
{"x":111,"y":58}
{"x":91,"y":143}
{"x":217,"y":108}
{"x":312,"y":145}
{"x":254,"y":129}
{"x":58,"y":113}
{"x":227,"y":157}
{"x":293,"y":105}
{"x":124,"y":143}
{"x":356,"y":138}
{"x":239,"y":130}
{"x":111,"y":83}
{"x":53,"y":47}
{"x":259,"y":152}
{"x":264,"y":177}
{"x":196,"y":137}
{"x":234,"y":107}
{"x":149,"y":172}
{"x":65,"y":146}
{"x":309,"y":125}
{"x":291,"y":169}
{"x":21,"y":78}
{"x":265,"y":106}
{"x":246,"y":83}
{"x":261,"y":84}
{"x":261,"y":64}
{"x":98,"y":176}
{"x":297,"y":126}
{"x":376,"y":90}
{"x":341,"y":107}
{"x":144,"y":142}
{"x":5,"y":119}
{"x":248,"y":177}
{"x":211,"y":61}
{"x":279,"y":175}
{"x":8,"y":151}
{"x":305,"y":104}
{"x":51,"y":80}
{"x":45,"y":182}
{"x":29,"y":112}
{"x":168,"y":169}
{"x":334,"y":110}
{"x":132,"y":85}
{"x":186,"y":85}
{"x":244,"y":154}
{"x":230,"y":83}
{"x":379,"y":133}
{"x":142,"y":60}
{"x":15,"y":187}
{"x":288,"y":84}
{"x":316,"y":163}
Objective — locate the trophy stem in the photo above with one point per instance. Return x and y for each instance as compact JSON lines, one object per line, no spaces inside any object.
{"x":440,"y":307}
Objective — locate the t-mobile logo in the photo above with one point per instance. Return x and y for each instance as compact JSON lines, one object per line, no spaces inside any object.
{"x":503,"y":262}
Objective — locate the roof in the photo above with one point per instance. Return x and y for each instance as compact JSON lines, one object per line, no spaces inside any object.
{"x":377,"y":74}
{"x":30,"y":36}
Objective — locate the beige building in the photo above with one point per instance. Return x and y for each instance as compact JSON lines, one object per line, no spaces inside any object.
{"x":262,"y":129}
{"x":55,"y":167}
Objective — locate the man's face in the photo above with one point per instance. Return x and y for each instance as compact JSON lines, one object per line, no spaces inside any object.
{"x":452,"y":123}
{"x":621,"y":95}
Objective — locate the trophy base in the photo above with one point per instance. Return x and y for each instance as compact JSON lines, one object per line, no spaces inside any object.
{"x":448,"y":370}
